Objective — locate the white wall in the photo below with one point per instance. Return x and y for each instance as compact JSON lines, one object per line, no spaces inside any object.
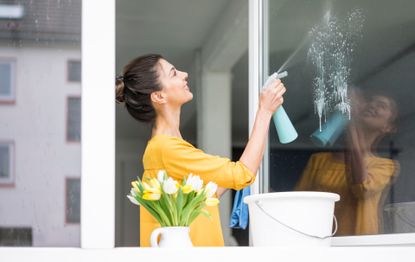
{"x":43,"y":159}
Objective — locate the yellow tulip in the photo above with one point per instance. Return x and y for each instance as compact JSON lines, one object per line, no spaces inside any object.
{"x":151,"y":189}
{"x":154,"y":183}
{"x":135,"y":186}
{"x":212,"y":201}
{"x":187,"y":189}
{"x":151,"y":197}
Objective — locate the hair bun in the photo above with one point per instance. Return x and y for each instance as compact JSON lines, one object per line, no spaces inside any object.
{"x":119,"y":90}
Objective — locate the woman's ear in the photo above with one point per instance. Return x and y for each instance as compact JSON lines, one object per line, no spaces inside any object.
{"x":158,"y":97}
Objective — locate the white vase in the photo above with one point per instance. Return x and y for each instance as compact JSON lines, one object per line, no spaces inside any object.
{"x":175,"y":237}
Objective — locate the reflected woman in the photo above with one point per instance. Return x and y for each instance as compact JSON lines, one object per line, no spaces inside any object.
{"x":154,"y":91}
{"x":358,"y":175}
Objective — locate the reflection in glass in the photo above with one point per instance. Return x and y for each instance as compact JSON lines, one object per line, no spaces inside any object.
{"x":349,"y":74}
{"x":357,"y":174}
{"x":40,"y":150}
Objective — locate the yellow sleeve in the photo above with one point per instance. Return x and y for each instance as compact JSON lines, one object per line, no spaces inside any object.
{"x":180,"y":159}
{"x":380,"y":174}
{"x":306,"y":181}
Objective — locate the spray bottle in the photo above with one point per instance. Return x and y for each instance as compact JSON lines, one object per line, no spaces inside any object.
{"x":285,"y":129}
{"x":331,"y":130}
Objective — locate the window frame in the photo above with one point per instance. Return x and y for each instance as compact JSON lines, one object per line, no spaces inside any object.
{"x":98,"y":166}
{"x":98,"y":125}
{"x":259,"y":24}
{"x":10,"y":99}
{"x":10,"y":182}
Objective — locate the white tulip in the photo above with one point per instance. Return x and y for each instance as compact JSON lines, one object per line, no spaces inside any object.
{"x":133,"y":200}
{"x":170,"y":186}
{"x":161,"y":176}
{"x":210,"y":189}
{"x":132,"y":192}
{"x":195,"y":182}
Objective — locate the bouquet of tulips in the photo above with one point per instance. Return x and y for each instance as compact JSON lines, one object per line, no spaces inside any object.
{"x":173,"y":203}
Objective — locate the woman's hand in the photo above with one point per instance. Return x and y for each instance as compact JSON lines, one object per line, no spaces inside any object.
{"x":221,"y":191}
{"x":271,"y":97}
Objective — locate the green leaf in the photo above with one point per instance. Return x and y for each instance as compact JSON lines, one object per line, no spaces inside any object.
{"x":195,"y":202}
{"x":170,"y":206}
{"x":166,"y":207}
{"x":196,"y":212}
{"x":150,"y":209}
{"x":163,"y":216}
{"x":206,"y":213}
{"x":179,"y":201}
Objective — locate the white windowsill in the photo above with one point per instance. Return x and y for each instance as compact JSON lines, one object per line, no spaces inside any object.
{"x":407,"y":239}
{"x":238,"y":254}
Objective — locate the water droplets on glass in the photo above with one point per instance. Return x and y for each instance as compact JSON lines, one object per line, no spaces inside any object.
{"x":330,"y":51}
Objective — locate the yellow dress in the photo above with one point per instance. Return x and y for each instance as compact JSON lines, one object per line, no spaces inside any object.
{"x":179,"y":158}
{"x":359,"y":210}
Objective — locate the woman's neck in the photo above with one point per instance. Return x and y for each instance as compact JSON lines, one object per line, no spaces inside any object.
{"x":370,"y":139}
{"x":167,"y":123}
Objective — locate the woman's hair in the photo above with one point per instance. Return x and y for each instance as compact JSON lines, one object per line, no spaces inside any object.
{"x":140,"y":78}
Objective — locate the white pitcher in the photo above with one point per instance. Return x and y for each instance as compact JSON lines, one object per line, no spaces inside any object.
{"x":175,"y":237}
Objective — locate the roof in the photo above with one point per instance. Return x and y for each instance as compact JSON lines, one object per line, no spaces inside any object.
{"x":43,"y":21}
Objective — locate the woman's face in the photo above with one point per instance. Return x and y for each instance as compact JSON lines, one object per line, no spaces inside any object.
{"x":174,"y":84}
{"x":378,"y":113}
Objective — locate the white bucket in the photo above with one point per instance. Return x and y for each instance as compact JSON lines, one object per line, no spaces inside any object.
{"x":292,"y":218}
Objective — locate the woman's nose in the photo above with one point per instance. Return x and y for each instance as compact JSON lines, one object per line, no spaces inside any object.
{"x":186,"y":75}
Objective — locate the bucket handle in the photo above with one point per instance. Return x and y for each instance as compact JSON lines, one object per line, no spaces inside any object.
{"x":298,"y":231}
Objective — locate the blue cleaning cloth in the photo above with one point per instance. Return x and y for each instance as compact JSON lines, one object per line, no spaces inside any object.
{"x":239,"y":216}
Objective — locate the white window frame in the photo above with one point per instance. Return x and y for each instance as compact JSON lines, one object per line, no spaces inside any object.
{"x":9,"y":182}
{"x":98,"y":125}
{"x":10,"y":99}
{"x":98,"y":167}
{"x":258,"y":55}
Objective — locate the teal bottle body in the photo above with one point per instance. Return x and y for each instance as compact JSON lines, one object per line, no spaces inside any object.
{"x":331,"y":130}
{"x":285,"y":129}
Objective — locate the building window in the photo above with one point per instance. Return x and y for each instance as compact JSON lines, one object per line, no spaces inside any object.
{"x":6,"y":163}
{"x":73,"y":200}
{"x":73,"y":125}
{"x":16,"y":236}
{"x":74,"y":71}
{"x":7,"y":72}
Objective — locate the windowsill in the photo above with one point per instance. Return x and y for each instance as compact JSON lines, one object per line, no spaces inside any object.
{"x":402,"y":239}
{"x":239,"y":254}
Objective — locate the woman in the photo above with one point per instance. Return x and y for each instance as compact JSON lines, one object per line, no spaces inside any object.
{"x":360,"y":177}
{"x":154,"y":91}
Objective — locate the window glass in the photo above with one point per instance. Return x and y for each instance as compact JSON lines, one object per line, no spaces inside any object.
{"x":5,"y":79}
{"x":73,"y":201}
{"x":10,"y":236}
{"x":350,"y":97}
{"x":37,"y":39}
{"x":5,"y":163}
{"x":74,"y":119}
{"x":74,"y":71}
